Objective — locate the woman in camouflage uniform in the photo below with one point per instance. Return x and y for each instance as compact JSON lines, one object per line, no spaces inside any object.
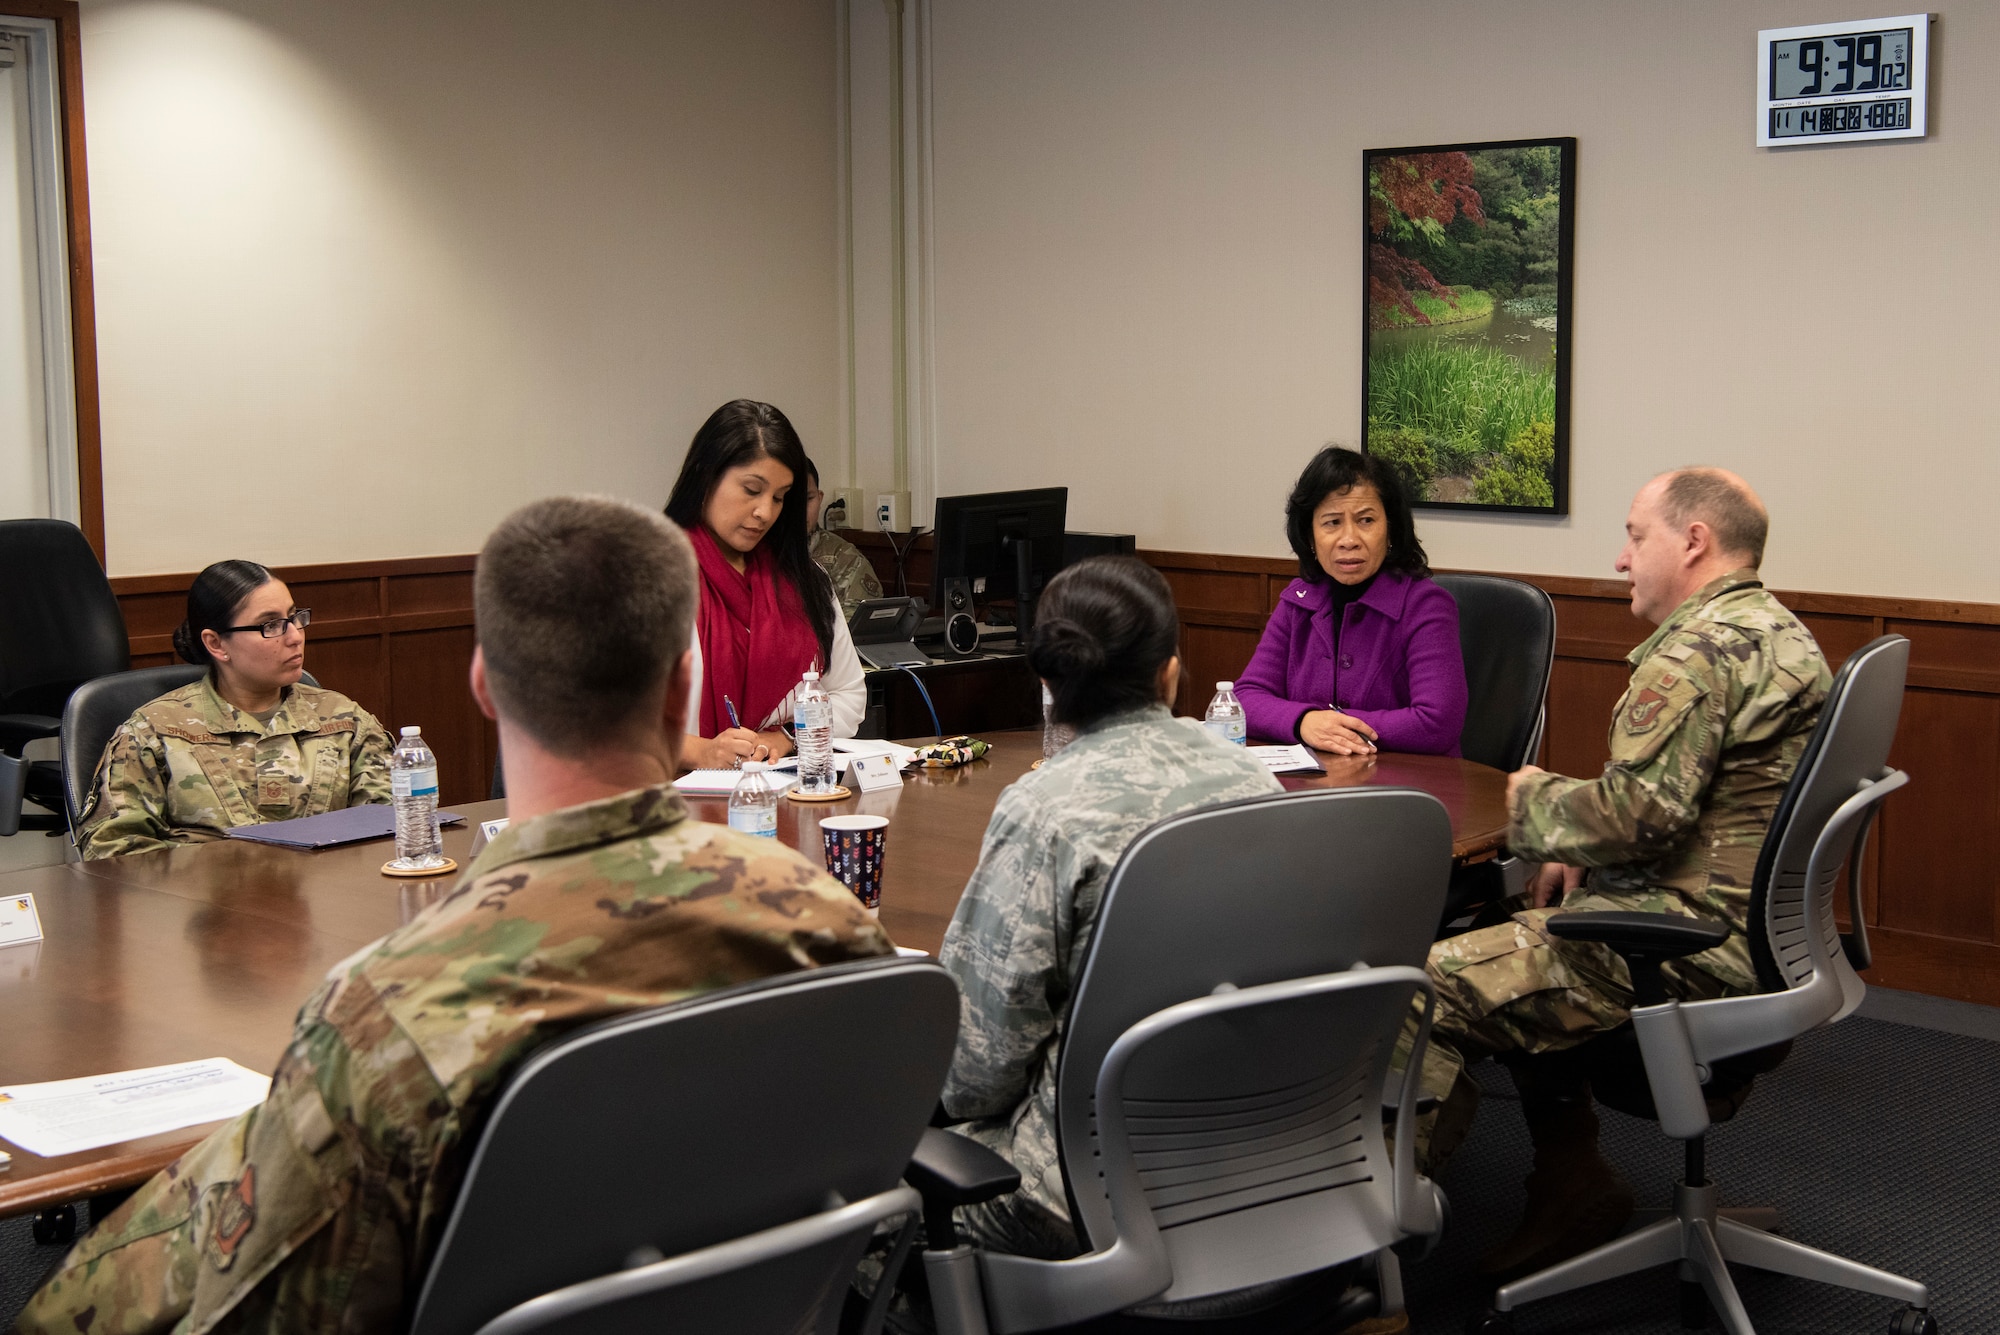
{"x":248,"y":743}
{"x":1105,"y":644}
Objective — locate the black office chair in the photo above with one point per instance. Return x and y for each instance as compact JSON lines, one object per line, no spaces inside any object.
{"x":59,"y":627}
{"x":95,"y":710}
{"x":715,"y":1166}
{"x":1219,"y":1091}
{"x":1689,"y":1065}
{"x":1507,"y":636}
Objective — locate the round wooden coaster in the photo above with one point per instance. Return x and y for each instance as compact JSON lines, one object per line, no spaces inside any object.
{"x":833,"y":794}
{"x":390,"y":868}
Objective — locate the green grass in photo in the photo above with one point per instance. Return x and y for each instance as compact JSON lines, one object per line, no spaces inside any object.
{"x":1471,"y":305}
{"x":1478,"y":398}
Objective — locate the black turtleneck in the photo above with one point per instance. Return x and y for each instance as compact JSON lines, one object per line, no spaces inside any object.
{"x":1339,"y":597}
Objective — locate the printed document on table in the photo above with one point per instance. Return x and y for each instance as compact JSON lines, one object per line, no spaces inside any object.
{"x":868,"y":746}
{"x":1288,"y":759}
{"x":722,"y":782}
{"x":65,"y":1116}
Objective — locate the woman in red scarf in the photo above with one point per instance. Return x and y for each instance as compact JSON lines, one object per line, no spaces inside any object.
{"x":767,"y":612}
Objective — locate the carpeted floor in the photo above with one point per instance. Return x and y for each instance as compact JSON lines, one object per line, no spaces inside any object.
{"x":1878,"y":1139}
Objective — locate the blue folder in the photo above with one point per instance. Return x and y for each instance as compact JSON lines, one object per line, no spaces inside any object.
{"x":349,"y":825}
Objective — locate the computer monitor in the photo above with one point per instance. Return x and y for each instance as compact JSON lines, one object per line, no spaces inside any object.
{"x":1006,"y":544}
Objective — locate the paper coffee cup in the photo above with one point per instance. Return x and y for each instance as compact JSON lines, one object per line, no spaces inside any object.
{"x":854,"y":854}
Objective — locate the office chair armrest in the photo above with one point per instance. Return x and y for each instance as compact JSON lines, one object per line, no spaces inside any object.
{"x":17,"y":730}
{"x":1665,"y":936}
{"x":1646,"y":940}
{"x":958,"y":1171}
{"x":950,"y":1170}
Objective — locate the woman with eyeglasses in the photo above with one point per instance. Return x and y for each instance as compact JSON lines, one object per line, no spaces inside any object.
{"x":246,"y":743}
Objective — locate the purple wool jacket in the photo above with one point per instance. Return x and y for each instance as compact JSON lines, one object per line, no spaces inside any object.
{"x":1399,"y":672}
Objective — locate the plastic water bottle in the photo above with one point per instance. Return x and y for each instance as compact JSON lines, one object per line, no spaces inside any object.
{"x":812,"y":730}
{"x":753,"y":807}
{"x":1055,"y":736}
{"x":413,"y":777}
{"x":1225,"y":715}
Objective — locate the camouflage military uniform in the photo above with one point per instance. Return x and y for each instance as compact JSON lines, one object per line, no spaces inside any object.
{"x":853,"y":578}
{"x":1722,"y":699}
{"x":190,"y":765}
{"x":319,"y":1209}
{"x":1017,"y":942}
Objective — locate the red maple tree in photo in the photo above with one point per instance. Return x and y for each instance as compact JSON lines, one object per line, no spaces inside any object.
{"x":1416,"y":194}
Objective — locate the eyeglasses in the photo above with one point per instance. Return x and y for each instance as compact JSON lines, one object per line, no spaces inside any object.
{"x":271,"y":630}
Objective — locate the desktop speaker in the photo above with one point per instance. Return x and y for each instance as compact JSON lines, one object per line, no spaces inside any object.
{"x":953,"y":629}
{"x":957,"y":598}
{"x":961,"y":634}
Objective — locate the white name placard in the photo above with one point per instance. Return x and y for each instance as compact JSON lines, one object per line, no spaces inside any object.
{"x":488,"y":831}
{"x":872,"y":773}
{"x":19,"y":923}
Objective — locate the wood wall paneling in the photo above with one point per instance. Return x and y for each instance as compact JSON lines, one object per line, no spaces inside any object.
{"x":1941,"y":876}
{"x":427,"y":680}
{"x":397,"y":636}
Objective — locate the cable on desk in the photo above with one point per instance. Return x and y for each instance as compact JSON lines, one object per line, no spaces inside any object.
{"x":900,"y":554}
{"x":923,"y":691}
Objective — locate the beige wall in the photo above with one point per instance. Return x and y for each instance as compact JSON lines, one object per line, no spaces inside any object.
{"x":369,"y":274}
{"x":1148,"y":219}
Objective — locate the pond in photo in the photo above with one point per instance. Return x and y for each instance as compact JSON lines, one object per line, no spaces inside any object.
{"x":1463,"y":316}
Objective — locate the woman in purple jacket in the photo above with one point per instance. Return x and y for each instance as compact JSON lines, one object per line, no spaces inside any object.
{"x":1362,"y":649}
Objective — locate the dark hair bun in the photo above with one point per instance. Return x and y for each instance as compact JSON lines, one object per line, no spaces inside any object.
{"x":1061,"y":649}
{"x":189,"y":646}
{"x":1105,"y":627}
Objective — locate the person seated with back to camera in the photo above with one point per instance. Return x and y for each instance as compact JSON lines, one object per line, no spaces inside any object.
{"x":1105,"y":645}
{"x":768,"y":613}
{"x":246,"y":744}
{"x":318,"y":1211}
{"x":1362,"y":649}
{"x":854,"y":580}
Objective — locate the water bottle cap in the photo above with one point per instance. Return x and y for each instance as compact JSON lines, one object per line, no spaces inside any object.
{"x":413,"y":731}
{"x":811,"y":675}
{"x":755,"y":766}
{"x":1225,"y":686}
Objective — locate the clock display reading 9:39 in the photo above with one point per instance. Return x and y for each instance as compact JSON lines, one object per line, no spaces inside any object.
{"x":1862,"y":62}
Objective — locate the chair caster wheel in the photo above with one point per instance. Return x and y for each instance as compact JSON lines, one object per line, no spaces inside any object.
{"x":1491,"y":1323}
{"x":1913,"y":1321}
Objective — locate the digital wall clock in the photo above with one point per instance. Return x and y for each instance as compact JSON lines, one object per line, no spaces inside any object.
{"x":1839,"y":82}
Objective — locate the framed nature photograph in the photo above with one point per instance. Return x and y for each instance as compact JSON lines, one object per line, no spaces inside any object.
{"x":1466,"y":320}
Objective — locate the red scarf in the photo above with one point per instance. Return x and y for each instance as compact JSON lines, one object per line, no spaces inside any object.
{"x":756,"y":641}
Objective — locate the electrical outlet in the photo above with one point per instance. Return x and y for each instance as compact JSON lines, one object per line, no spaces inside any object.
{"x":843,"y":508}
{"x":892,"y":511}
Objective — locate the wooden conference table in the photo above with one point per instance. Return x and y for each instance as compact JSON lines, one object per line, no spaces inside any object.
{"x":208,"y":951}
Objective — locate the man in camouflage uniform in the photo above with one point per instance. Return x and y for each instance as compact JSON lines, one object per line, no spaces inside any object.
{"x":854,"y":580}
{"x":1017,"y":941}
{"x":319,"y":1210}
{"x":1722,"y":700}
{"x":189,"y":766}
